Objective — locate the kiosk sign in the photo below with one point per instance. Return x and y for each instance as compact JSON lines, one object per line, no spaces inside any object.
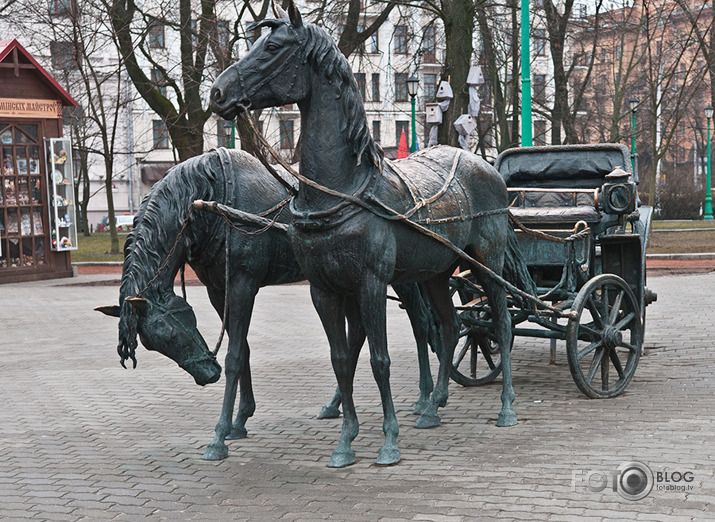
{"x":28,"y":108}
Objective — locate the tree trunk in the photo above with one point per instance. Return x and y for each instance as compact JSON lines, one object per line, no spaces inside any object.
{"x":458,"y":20}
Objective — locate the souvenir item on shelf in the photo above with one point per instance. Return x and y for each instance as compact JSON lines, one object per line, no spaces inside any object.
{"x":65,"y":242}
{"x":25,"y":227}
{"x":61,"y":158}
{"x":57,"y":177}
{"x":37,"y":222}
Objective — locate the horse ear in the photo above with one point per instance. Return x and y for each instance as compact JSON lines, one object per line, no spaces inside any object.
{"x":112,"y":310}
{"x":294,"y":15}
{"x":278,"y":11}
{"x":137,"y":302}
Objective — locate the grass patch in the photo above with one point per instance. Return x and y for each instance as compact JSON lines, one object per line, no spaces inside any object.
{"x":681,"y":224}
{"x":95,"y":248}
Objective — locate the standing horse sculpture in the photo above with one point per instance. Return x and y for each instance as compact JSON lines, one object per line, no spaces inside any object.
{"x":166,"y":323}
{"x":346,"y":237}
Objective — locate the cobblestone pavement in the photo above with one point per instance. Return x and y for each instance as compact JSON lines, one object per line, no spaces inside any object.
{"x":83,"y":439}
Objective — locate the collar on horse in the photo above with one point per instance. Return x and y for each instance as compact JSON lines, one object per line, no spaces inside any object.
{"x":334,"y":216}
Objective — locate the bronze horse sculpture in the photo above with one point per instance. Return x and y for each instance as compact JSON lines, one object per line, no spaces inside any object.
{"x":166,"y":323}
{"x":348,"y":235}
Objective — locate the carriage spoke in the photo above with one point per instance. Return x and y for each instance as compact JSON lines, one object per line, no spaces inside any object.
{"x":616,"y":362}
{"x":594,"y":312}
{"x":616,"y":309}
{"x":595,"y":364}
{"x":625,"y":321}
{"x":487,"y":355}
{"x":462,"y":352}
{"x":627,"y":346}
{"x":590,"y":348}
{"x":604,"y":372}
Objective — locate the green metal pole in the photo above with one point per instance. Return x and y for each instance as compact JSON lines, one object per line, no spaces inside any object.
{"x":233,"y":135}
{"x":414,"y":129}
{"x":526,"y":134}
{"x":633,"y":141}
{"x":708,"y":187}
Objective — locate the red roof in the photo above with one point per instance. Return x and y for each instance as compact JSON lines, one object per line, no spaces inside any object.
{"x":6,"y":47}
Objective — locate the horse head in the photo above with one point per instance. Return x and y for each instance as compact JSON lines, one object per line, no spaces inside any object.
{"x":272,"y":73}
{"x":165,"y":324}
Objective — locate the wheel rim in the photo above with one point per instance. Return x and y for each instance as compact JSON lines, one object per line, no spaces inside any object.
{"x":604,"y":337}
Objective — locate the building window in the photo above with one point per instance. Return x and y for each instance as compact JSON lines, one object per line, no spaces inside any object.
{"x":401,"y":126}
{"x":225,"y":134}
{"x":360,"y":80}
{"x":400,"y":87}
{"x":156,"y":35}
{"x":540,"y":132}
{"x":376,"y":130}
{"x":285,"y":128}
{"x":375,"y":42}
{"x":429,"y":45}
{"x":158,"y":78}
{"x":540,"y":88}
{"x":582,"y":10}
{"x":400,"y":39}
{"x":539,"y":42}
{"x":60,"y":7}
{"x":161,"y":134}
{"x":375,"y":87}
{"x":430,"y":84}
{"x":64,"y":55}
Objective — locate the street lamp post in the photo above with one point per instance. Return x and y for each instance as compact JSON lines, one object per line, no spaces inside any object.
{"x":526,"y":134}
{"x":412,"y":83}
{"x":633,"y":102}
{"x":708,"y":187}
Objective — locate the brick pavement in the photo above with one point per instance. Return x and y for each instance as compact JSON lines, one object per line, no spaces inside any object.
{"x":83,"y":439}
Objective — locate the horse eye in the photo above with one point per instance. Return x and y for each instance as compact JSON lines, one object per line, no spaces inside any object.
{"x":272,"y":47}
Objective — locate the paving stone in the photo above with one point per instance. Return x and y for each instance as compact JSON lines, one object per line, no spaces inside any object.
{"x":127,"y":444}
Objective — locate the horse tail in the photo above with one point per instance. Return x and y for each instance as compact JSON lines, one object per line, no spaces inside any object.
{"x":515,"y":269}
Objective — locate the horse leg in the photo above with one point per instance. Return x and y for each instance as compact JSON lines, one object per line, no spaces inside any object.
{"x":373,"y":311}
{"x":437,"y":290}
{"x":246,"y":401}
{"x":241,"y":307}
{"x":356,"y":338}
{"x":496,"y":294}
{"x":420,"y":320}
{"x":332,"y":312}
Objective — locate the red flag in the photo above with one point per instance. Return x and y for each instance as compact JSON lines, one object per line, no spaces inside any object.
{"x":402,"y":148}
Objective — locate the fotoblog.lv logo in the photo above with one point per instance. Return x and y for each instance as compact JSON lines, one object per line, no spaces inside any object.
{"x":632,"y":480}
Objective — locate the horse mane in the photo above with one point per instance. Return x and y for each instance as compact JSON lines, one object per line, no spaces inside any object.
{"x":323,"y":55}
{"x":160,"y":217}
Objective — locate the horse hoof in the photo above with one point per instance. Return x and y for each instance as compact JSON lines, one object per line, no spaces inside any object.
{"x":420,"y":407}
{"x":388,"y":456}
{"x":329,"y":412}
{"x":507,"y":419}
{"x":428,"y":420}
{"x":341,"y":459}
{"x":237,"y":432}
{"x":216,"y":452}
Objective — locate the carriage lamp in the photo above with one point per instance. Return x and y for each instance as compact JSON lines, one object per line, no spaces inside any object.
{"x":708,"y":187}
{"x":633,"y":102}
{"x":412,"y":83}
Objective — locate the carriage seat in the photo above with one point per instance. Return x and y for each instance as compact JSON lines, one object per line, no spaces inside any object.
{"x":549,"y":207}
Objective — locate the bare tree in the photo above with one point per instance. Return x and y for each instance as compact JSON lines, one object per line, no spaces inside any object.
{"x":177,"y":93}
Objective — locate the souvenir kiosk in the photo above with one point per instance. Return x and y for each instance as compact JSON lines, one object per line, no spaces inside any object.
{"x":37,"y":214}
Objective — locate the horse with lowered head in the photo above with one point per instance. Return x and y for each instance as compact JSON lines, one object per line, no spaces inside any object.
{"x":152,"y":258}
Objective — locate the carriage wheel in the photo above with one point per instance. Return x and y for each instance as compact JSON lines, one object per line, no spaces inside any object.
{"x":477,"y":359}
{"x":604,"y":337}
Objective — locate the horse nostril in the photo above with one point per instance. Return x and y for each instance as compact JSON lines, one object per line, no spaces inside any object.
{"x":217,"y":95}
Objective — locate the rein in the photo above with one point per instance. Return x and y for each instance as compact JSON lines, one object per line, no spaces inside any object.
{"x":393,"y":215}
